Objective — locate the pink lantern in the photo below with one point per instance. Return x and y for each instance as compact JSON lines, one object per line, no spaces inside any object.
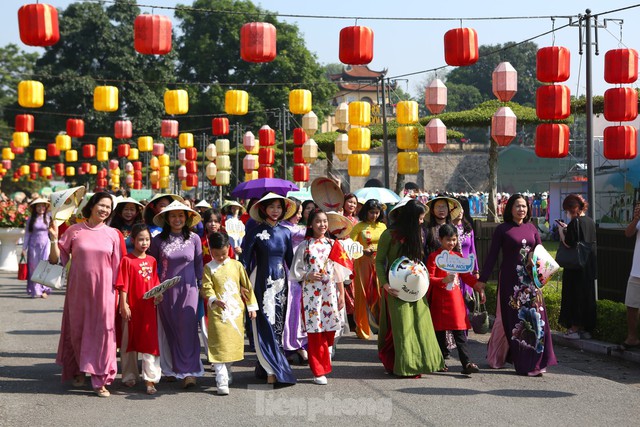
{"x":113,"y":164}
{"x":250,"y":163}
{"x":6,"y":164}
{"x":435,"y":96}
{"x":249,"y":142}
{"x":182,"y":172}
{"x":503,"y":126}
{"x":122,"y":129}
{"x":504,"y":81}
{"x":128,"y":180}
{"x":169,"y":129}
{"x":158,"y":149}
{"x":258,"y":42}
{"x":182,"y":155}
{"x":435,"y":135}
{"x":128,"y":167}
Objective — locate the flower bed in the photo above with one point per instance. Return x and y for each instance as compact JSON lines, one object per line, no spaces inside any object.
{"x":13,"y":214}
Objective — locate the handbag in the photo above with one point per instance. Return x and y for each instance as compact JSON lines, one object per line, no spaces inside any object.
{"x":479,"y":318}
{"x":574,"y":258}
{"x":23,"y":269}
{"x":52,"y":275}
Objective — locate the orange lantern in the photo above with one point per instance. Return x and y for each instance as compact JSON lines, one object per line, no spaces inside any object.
{"x":220,"y":126}
{"x":152,"y":34}
{"x":553,"y":64}
{"x":176,"y":102}
{"x":299,"y":137}
{"x":435,"y":135}
{"x":552,"y":140}
{"x":38,"y":25}
{"x":236,"y":102}
{"x":123,"y":150}
{"x":504,"y":81}
{"x":358,"y":165}
{"x":169,"y":128}
{"x":105,"y":98}
{"x":300,"y":101}
{"x":30,"y":94}
{"x":356,"y":45}
{"x":461,"y":47}
{"x":24,"y":123}
{"x":620,"y":142}
{"x":122,"y":129}
{"x":620,"y":104}
{"x":621,"y":66}
{"x":88,"y":151}
{"x":266,"y":136}
{"x":435,"y":96}
{"x":503,"y":126}
{"x":249,"y":143}
{"x":553,"y":102}
{"x":258,"y":42}
{"x":301,"y":173}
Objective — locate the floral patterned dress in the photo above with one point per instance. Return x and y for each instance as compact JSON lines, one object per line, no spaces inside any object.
{"x":521,"y":329}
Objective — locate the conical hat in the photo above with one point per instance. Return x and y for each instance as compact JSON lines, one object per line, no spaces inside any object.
{"x":327,"y":194}
{"x":454,"y":207}
{"x":339,"y":225}
{"x":395,"y":211}
{"x":64,"y":203}
{"x":148,"y":212}
{"x":409,"y":278}
{"x":290,"y":207}
{"x":544,"y":266}
{"x":39,"y":200}
{"x":203,"y":204}
{"x":121,"y":202}
{"x":228,"y":203}
{"x":193,"y":217}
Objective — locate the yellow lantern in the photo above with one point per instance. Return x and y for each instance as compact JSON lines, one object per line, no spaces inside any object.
{"x":105,"y":98}
{"x":115,"y":180}
{"x":310,"y":151}
{"x":70,"y":171}
{"x":359,"y":139}
{"x":342,"y":147}
{"x":145,"y":144}
{"x":164,"y":182}
{"x":223,"y":163}
{"x":211,"y":170}
{"x":185,"y":140}
{"x":7,"y":154}
{"x":236,"y":102}
{"x":407,"y":112}
{"x":25,"y":170}
{"x":45,"y":172}
{"x":164,"y":171}
{"x":154,"y":163}
{"x":223,"y":178}
{"x":342,"y":116}
{"x":408,"y":163}
{"x":93,"y":170}
{"x":300,"y":101}
{"x":176,"y":101}
{"x":71,"y":156}
{"x":105,"y":143}
{"x":21,"y":139}
{"x":102,"y":156}
{"x":358,"y":165}
{"x":359,"y":113}
{"x":310,"y":123}
{"x":211,"y":152}
{"x":164,"y":160}
{"x":250,"y":176}
{"x":407,"y":138}
{"x":40,"y":155}
{"x":134,"y":154}
{"x":30,"y":94}
{"x":222,"y":146}
{"x":184,"y":186}
{"x":63,"y":142}
{"x":154,"y":177}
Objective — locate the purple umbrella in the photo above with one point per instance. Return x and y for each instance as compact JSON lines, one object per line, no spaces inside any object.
{"x":257,"y":187}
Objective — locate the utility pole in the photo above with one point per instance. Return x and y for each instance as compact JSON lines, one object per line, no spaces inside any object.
{"x":385,"y":135}
{"x":284,"y":123}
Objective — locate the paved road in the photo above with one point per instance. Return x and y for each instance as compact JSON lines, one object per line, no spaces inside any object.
{"x":583,"y":389}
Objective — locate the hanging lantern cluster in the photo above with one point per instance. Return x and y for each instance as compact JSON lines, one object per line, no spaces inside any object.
{"x":435,"y":132}
{"x":114,"y":174}
{"x":504,"y":121}
{"x":359,"y":138}
{"x":300,"y":167}
{"x":267,"y":152}
{"x":407,"y":137}
{"x":305,"y":151}
{"x":341,"y":120}
{"x":620,"y":104}
{"x":250,"y":161}
{"x":552,"y":101}
{"x":461,"y":47}
{"x":101,"y":179}
{"x":223,"y":163}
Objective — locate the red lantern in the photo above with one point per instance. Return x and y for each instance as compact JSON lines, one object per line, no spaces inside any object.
{"x":86,"y":167}
{"x":301,"y":173}
{"x":298,"y":158}
{"x":38,"y":25}
{"x":52,"y":150}
{"x":553,"y":102}
{"x":137,"y":185}
{"x":266,"y":156}
{"x":461,"y":47}
{"x":75,"y":128}
{"x":152,"y":34}
{"x":620,"y":142}
{"x":34,"y":167}
{"x":266,"y":172}
{"x":169,"y":129}
{"x":621,"y":66}
{"x":192,"y":180}
{"x":59,"y":169}
{"x":16,"y":150}
{"x":102,"y":173}
{"x":620,"y":104}
{"x":24,"y":123}
{"x":191,"y":153}
{"x":88,"y":151}
{"x":220,"y":126}
{"x":266,"y":136}
{"x":137,"y":175}
{"x":356,"y":45}
{"x":299,"y":137}
{"x":258,"y":42}
{"x":137,"y":166}
{"x":122,"y":129}
{"x":123,"y":150}
{"x":552,"y":140}
{"x":553,"y":64}
{"x":101,"y":183}
{"x":192,"y":166}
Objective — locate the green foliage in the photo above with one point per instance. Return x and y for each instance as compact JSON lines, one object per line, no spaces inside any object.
{"x":462,"y":97}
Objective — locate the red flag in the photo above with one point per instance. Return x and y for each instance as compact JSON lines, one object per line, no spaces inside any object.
{"x":339,"y":255}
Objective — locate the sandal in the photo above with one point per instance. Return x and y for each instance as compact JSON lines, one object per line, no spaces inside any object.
{"x":102,"y":392}
{"x":151,"y":388}
{"x":189,"y":382}
{"x":444,"y":369}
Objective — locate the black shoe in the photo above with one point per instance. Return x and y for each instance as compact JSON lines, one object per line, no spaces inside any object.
{"x":470,"y":368}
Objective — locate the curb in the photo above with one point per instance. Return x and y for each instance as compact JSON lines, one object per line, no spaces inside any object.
{"x":597,"y":347}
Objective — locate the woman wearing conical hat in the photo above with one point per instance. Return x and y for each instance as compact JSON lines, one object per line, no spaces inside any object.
{"x":35,"y":245}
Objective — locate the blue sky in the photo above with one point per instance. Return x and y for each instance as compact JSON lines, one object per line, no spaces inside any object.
{"x":409,"y":46}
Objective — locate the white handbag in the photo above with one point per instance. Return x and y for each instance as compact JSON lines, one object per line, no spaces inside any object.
{"x":52,"y":275}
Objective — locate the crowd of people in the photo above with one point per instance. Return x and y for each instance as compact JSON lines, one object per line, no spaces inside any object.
{"x":280,"y":286}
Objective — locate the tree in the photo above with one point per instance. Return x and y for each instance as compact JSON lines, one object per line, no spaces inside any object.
{"x":15,"y":65}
